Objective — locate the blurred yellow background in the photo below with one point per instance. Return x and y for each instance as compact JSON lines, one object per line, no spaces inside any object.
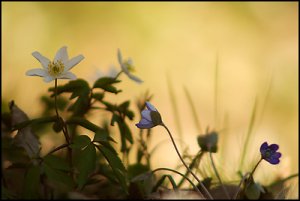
{"x":253,"y":43}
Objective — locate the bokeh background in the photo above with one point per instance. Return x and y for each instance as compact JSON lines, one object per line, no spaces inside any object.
{"x":254,"y":45}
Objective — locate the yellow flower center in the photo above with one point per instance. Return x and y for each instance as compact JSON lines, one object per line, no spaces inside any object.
{"x":55,"y":68}
{"x":129,"y":66}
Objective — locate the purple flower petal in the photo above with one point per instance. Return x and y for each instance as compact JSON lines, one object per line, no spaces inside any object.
{"x":146,"y":125}
{"x":274,"y":147}
{"x":263,"y":148}
{"x":277,"y":155}
{"x":273,"y":161}
{"x":150,"y":107}
{"x":146,"y":115}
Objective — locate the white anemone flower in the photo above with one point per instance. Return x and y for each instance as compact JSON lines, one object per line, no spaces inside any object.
{"x":127,"y":67}
{"x":56,"y":69}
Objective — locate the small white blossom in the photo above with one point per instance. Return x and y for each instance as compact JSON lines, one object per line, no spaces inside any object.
{"x":127,"y":67}
{"x":56,"y":69}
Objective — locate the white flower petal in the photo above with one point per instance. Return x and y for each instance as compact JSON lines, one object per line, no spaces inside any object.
{"x":67,"y":75}
{"x":134,"y":78}
{"x":37,"y":72}
{"x":120,"y":57}
{"x":43,"y":60}
{"x":146,"y":115}
{"x":72,"y":62}
{"x":48,"y":78}
{"x":62,"y":55}
{"x":150,"y":106}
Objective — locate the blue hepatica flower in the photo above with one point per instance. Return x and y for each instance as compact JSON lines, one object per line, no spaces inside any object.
{"x":150,"y":117}
{"x":268,"y":153}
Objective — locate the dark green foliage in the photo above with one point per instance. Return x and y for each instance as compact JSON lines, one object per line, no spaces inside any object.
{"x":32,"y":183}
{"x":106,"y":83}
{"x":80,"y":89}
{"x":116,"y":165}
{"x":85,"y":163}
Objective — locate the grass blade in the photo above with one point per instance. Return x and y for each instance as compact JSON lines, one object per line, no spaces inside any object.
{"x":249,"y":132}
{"x":196,"y":119}
{"x":175,"y":109}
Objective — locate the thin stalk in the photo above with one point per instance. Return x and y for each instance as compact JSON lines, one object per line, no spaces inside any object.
{"x":187,"y":167}
{"x":58,"y":148}
{"x":218,"y":176}
{"x":255,"y":167}
{"x":185,"y":177}
{"x":248,"y":182}
{"x":191,"y":166}
{"x":250,"y":128}
{"x":240,"y":184}
{"x":175,"y":110}
{"x":196,"y":119}
{"x":64,"y":129}
{"x":216,"y":95}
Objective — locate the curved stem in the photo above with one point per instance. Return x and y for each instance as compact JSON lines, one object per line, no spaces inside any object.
{"x":240,"y":184}
{"x":185,"y":177}
{"x":248,"y":182}
{"x":58,"y":148}
{"x":191,"y":166}
{"x":255,"y":167}
{"x":187,"y":167}
{"x":218,"y":176}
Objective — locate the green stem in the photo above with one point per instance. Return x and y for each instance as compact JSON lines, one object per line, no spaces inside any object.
{"x":218,"y":176}
{"x":185,"y":177}
{"x":187,"y":167}
{"x":240,"y":184}
{"x":191,"y":166}
{"x":250,"y":178}
{"x":64,"y":129}
{"x":251,"y":174}
{"x":58,"y":148}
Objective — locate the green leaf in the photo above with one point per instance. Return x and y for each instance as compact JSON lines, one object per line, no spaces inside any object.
{"x":84,"y":123}
{"x":109,"y":106}
{"x":101,"y":135}
{"x":137,"y":169}
{"x":125,"y":134}
{"x":79,"y":88}
{"x":141,"y":185}
{"x":123,"y":108}
{"x":253,"y":191}
{"x":106,"y":83}
{"x":32,"y":183}
{"x":116,"y":165}
{"x":86,"y":162}
{"x":162,"y":179}
{"x":103,"y":81}
{"x":56,"y":162}
{"x":98,"y":96}
{"x":60,"y":179}
{"x":80,"y":142}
